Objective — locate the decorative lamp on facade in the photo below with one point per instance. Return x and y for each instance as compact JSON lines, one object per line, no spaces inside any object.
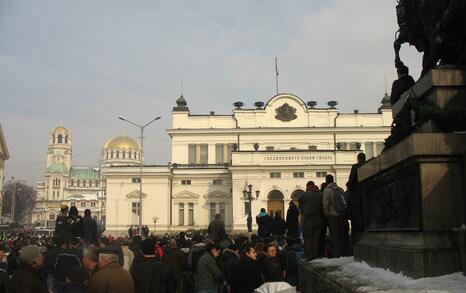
{"x":338,"y":145}
{"x":311,"y":104}
{"x":358,"y":146}
{"x":259,"y":105}
{"x":238,"y":105}
{"x":256,"y":146}
{"x":332,"y":104}
{"x":247,"y":195}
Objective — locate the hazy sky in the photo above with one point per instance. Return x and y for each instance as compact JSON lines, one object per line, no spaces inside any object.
{"x":83,"y":63}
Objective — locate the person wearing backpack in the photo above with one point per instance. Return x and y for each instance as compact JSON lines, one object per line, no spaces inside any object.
{"x":67,"y":256}
{"x":334,"y":205}
{"x":312,"y":214}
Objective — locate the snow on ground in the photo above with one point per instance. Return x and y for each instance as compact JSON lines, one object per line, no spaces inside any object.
{"x":370,"y":279}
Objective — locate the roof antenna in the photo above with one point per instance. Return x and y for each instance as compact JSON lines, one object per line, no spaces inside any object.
{"x":276,"y":74}
{"x":124,"y":134}
{"x":181,"y":84}
{"x":385,"y":80}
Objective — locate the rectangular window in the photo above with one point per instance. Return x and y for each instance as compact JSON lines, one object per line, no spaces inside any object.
{"x":192,"y":154}
{"x":203,"y":154}
{"x":275,"y":175}
{"x":186,"y":182}
{"x":219,"y":153}
{"x":83,"y":204}
{"x":213,"y":211}
{"x":73,"y":204}
{"x":191,"y":214}
{"x":181,"y":214}
{"x":298,"y":174}
{"x":222,"y":210}
{"x":352,"y":146}
{"x":369,"y":150}
{"x":321,"y":174}
{"x":217,"y":182}
{"x":229,"y":150}
{"x":343,"y":146}
{"x":93,"y":204}
{"x":247,"y":207}
{"x":58,"y":193}
{"x":312,"y":147}
{"x":135,"y":208}
{"x":135,"y":180}
{"x":78,"y":182}
{"x":269,"y":148}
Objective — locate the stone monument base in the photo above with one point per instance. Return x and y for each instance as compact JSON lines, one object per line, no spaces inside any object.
{"x":414,"y":197}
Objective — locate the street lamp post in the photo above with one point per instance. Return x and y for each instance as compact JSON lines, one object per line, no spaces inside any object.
{"x":247,"y":195}
{"x":141,"y":129}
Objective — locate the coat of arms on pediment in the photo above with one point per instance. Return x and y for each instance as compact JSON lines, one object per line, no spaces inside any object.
{"x":285,"y":113}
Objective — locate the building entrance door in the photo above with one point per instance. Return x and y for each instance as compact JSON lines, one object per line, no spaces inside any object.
{"x":275,"y":203}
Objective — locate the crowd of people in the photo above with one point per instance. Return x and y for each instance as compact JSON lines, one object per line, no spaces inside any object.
{"x":79,"y":259}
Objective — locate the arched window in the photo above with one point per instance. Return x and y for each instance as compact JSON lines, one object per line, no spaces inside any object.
{"x":124,"y":154}
{"x":53,"y":138}
{"x":111,"y":155}
{"x":60,"y":138}
{"x":106,"y":155}
{"x":66,"y":138}
{"x":118,"y":154}
{"x":52,"y":216}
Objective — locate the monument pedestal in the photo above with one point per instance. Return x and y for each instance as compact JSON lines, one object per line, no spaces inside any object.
{"x":414,"y":191}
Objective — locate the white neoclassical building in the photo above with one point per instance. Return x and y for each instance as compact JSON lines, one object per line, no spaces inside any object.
{"x":276,"y":147}
{"x":4,"y":155}
{"x":82,"y":187}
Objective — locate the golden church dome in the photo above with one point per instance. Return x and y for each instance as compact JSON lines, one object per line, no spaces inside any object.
{"x":122,"y":142}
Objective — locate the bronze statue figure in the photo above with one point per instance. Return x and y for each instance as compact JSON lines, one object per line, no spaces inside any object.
{"x":435,"y":27}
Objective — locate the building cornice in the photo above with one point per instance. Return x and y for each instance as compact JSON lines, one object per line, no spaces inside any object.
{"x":327,"y":130}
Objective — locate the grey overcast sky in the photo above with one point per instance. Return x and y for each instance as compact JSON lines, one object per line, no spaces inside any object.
{"x":82,"y":63}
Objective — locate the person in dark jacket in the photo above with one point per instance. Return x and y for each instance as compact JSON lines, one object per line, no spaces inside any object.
{"x":230,"y":259}
{"x":216,"y":229}
{"x":278,"y":225}
{"x":208,"y":273}
{"x":89,"y":228}
{"x":75,"y":222}
{"x":4,"y":277}
{"x":151,"y":275}
{"x":176,"y":262}
{"x":264,"y":221}
{"x":312,"y":219}
{"x":28,"y":278}
{"x":292,"y":216}
{"x":76,"y":279}
{"x":246,"y":277}
{"x":61,"y":223}
{"x":355,"y":201}
{"x":402,"y":84}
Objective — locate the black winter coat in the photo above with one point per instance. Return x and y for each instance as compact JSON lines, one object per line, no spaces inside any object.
{"x":229,"y":261}
{"x":246,"y":277}
{"x":151,"y":276}
{"x":265,"y":225}
{"x":292,"y":221}
{"x":27,"y":279}
{"x":278,"y":226}
{"x":89,"y":230}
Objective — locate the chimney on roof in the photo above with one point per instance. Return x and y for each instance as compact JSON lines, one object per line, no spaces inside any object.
{"x":356,"y":111}
{"x":212,"y":113}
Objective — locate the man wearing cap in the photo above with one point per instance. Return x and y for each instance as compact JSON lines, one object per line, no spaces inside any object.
{"x":111,"y":277}
{"x":28,"y":278}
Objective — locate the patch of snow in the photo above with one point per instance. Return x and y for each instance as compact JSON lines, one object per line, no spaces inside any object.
{"x":371,"y":279}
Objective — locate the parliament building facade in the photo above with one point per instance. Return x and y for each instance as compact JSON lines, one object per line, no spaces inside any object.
{"x":276,"y":147}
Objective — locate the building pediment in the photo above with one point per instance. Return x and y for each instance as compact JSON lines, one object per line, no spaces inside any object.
{"x":135,"y":194}
{"x":188,"y":195}
{"x":217,"y":194}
